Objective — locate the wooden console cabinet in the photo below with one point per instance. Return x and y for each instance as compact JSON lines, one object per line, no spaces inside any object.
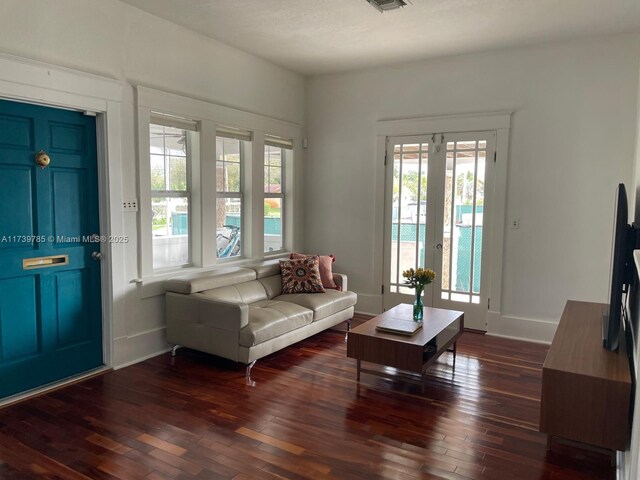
{"x":586,"y":390}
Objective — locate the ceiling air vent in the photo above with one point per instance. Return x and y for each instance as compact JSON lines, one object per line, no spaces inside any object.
{"x":384,"y":5}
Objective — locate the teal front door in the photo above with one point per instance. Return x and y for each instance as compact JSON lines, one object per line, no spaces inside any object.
{"x":50,"y":307}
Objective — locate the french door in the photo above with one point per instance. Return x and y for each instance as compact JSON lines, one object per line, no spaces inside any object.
{"x":437,"y":201}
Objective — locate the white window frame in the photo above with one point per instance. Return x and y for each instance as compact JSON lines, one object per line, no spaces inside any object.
{"x":210,"y":117}
{"x":286,"y":147}
{"x":244,"y":139}
{"x":190,"y":128}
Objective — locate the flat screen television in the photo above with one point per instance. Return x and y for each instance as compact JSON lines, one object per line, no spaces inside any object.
{"x":624,"y":242}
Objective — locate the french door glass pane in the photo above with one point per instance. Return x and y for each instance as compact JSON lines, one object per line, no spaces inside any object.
{"x":463,"y":220}
{"x":170,"y":231}
{"x":409,"y":211}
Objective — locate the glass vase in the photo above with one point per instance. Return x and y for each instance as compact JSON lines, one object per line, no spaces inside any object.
{"x":418,"y":306}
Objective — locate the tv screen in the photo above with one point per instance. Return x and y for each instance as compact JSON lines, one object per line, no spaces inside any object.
{"x":621,"y":270}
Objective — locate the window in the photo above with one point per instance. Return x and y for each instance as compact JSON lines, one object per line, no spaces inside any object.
{"x":231,"y":145}
{"x":274,"y":195}
{"x":210,"y":193}
{"x":170,"y":195}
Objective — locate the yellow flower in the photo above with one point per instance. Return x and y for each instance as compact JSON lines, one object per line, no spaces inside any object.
{"x":418,"y":277}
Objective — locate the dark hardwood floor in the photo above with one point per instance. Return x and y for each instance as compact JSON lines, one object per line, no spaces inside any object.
{"x":305,"y":418}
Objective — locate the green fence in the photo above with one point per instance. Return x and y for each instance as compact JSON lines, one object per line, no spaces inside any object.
{"x":408,"y":232}
{"x":272,"y":225}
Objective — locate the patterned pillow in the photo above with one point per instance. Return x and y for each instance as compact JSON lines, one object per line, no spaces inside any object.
{"x":301,"y":275}
{"x":326,"y":273}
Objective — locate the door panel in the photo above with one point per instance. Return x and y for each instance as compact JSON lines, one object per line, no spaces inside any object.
{"x":68,"y":196}
{"x":406,"y":238}
{"x":460,"y":227}
{"x":50,"y":315}
{"x":18,"y":320}
{"x":16,"y":192}
{"x":71,"y":287}
{"x":16,"y":132}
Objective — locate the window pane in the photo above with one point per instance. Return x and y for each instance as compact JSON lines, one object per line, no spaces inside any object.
{"x":272,"y":169}
{"x":168,"y":158}
{"x":156,"y":139}
{"x":464,"y":205}
{"x":157,"y":172}
{"x":170,"y":230}
{"x":178,"y":174}
{"x":227,"y":177}
{"x":231,"y":149}
{"x":272,"y":224}
{"x":409,"y":212}
{"x":228,"y":227}
{"x":175,"y":142}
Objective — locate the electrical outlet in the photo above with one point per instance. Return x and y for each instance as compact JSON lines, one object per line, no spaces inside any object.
{"x":515,"y":223}
{"x":130,"y":205}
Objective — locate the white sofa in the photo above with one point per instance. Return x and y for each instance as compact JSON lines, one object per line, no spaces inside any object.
{"x":241,"y":313}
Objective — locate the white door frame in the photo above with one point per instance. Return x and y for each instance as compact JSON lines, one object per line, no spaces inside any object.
{"x":500,"y":122}
{"x":40,"y":83}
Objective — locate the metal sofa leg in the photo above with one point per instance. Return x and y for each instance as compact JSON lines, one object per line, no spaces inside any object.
{"x":173,"y":354}
{"x":250,"y":382}
{"x":346,"y":335}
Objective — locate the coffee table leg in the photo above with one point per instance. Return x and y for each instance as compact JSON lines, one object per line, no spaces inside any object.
{"x":455,"y":349}
{"x":358,"y":371}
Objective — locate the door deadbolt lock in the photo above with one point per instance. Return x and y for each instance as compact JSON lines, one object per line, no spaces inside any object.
{"x":439,"y":246}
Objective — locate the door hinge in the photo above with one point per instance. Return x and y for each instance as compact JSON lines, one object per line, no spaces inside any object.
{"x":495,"y":156}
{"x":488,"y":304}
{"x":385,"y":158}
{"x":381,"y":289}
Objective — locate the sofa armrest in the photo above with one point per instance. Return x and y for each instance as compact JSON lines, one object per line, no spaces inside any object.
{"x":340,"y":280}
{"x":199,"y":308}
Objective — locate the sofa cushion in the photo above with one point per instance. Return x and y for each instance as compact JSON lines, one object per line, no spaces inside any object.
{"x":301,"y":275}
{"x":330,"y":302}
{"x":266,"y":268}
{"x":272,"y":284}
{"x":269,"y":319}
{"x":247,"y":292}
{"x":208,"y":280}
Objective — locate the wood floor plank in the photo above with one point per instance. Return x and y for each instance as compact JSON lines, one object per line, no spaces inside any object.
{"x":289,"y":447}
{"x":306,"y":418}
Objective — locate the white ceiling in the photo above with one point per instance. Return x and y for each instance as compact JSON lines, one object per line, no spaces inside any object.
{"x":324,"y":36}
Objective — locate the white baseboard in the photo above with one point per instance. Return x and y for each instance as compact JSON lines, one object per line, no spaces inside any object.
{"x":528,"y":329}
{"x":138,"y":347}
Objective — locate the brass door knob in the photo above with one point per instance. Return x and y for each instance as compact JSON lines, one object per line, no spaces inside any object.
{"x":42,"y":159}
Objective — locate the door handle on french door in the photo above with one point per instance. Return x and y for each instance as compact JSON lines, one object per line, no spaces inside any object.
{"x":97,"y":256}
{"x":439,"y":246}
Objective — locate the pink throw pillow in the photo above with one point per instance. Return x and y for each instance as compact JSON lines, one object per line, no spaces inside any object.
{"x":326,"y":273}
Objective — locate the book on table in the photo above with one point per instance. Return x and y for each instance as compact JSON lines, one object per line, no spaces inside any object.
{"x":399,"y":326}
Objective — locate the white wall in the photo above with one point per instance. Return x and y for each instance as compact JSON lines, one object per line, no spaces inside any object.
{"x":572,"y":141}
{"x":112,"y":39}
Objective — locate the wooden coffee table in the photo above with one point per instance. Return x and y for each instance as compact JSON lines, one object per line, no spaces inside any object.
{"x":412,"y":355}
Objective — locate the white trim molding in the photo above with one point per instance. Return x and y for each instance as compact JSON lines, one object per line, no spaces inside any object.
{"x":468,"y":122}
